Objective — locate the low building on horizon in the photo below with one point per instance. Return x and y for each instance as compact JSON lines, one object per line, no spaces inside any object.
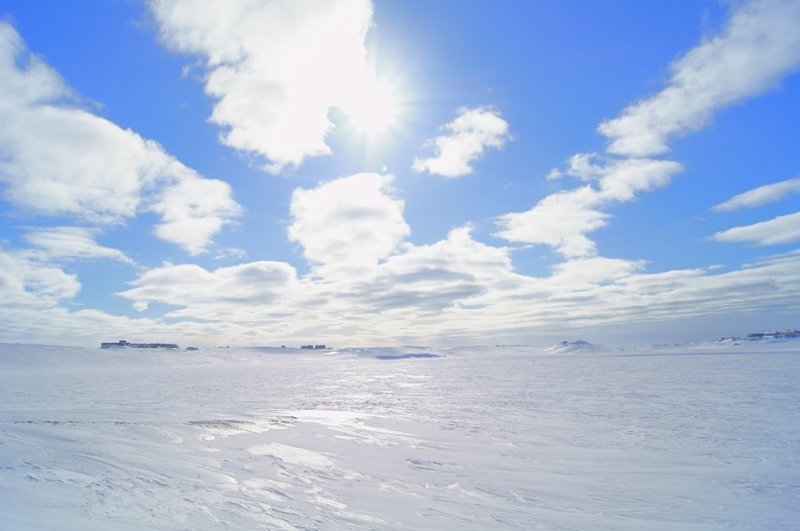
{"x":125,"y":344}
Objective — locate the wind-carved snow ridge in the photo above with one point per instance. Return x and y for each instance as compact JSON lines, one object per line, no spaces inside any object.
{"x":698,"y":436}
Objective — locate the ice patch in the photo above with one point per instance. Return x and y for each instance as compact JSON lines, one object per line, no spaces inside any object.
{"x":393,"y":353}
{"x":406,"y":356}
{"x":293,"y":455}
{"x":353,"y":426}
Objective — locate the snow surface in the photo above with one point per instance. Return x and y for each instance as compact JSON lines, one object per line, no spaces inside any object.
{"x":668,"y":437}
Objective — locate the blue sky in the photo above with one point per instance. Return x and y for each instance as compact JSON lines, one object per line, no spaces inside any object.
{"x":398,"y":172}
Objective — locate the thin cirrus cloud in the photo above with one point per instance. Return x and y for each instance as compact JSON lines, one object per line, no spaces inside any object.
{"x":776,"y":231}
{"x":769,"y":193}
{"x":274,"y":69}
{"x":61,"y":160}
{"x":757,"y":47}
{"x":467,"y":137}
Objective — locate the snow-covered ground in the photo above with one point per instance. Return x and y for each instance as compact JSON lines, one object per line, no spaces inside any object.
{"x":669,"y":437}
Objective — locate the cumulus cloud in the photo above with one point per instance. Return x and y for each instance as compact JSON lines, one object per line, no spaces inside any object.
{"x":38,"y":297}
{"x":72,"y":243}
{"x":769,"y":193}
{"x":559,"y":220}
{"x":776,"y":231}
{"x":468,"y":136}
{"x":353,"y":221}
{"x":193,"y":209}
{"x":275,"y":69}
{"x":460,"y":289}
{"x":28,"y":283}
{"x":758,"y":46}
{"x":594,"y":271}
{"x":431,"y":278}
{"x":254,"y":283}
{"x":58,"y":159}
{"x":412,"y":291}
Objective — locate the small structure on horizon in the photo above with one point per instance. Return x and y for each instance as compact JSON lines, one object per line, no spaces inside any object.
{"x":762,"y":336}
{"x":124,"y":344}
{"x":313,"y":347}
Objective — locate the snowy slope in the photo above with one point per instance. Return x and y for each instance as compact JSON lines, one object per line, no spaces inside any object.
{"x":680,"y":437}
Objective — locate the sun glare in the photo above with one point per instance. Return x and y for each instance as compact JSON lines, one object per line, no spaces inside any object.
{"x":374,"y":110}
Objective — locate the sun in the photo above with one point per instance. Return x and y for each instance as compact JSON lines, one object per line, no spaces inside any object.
{"x":373,"y":109}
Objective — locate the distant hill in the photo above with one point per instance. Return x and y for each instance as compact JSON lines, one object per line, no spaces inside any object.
{"x":573,"y":346}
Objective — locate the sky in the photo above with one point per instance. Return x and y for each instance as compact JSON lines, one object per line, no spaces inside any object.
{"x":398,"y":172}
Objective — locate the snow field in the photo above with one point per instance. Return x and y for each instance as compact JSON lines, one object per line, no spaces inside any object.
{"x":677,"y":437}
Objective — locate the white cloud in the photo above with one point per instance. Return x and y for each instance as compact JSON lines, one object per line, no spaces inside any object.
{"x":348,"y":222}
{"x":591,"y":272}
{"x":230,"y":252}
{"x":769,"y":193}
{"x":580,"y":165}
{"x":27,"y":283}
{"x":59,"y":159}
{"x":758,"y":46}
{"x":72,"y":242}
{"x":562,"y":220}
{"x":193,"y":209}
{"x":409,"y":290}
{"x":244,"y":285}
{"x":469,"y":135}
{"x":776,"y":231}
{"x":367,"y":282}
{"x":460,"y":290}
{"x":622,"y":179}
{"x":275,"y":68}
{"x":559,"y":220}
{"x":431,"y":278}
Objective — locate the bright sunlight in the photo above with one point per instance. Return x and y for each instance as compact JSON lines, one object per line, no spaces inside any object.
{"x":374,"y":109}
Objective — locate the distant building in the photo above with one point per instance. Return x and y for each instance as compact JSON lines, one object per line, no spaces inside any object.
{"x":313,"y":347}
{"x":763,"y":336}
{"x":124,"y":344}
{"x":119,"y":344}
